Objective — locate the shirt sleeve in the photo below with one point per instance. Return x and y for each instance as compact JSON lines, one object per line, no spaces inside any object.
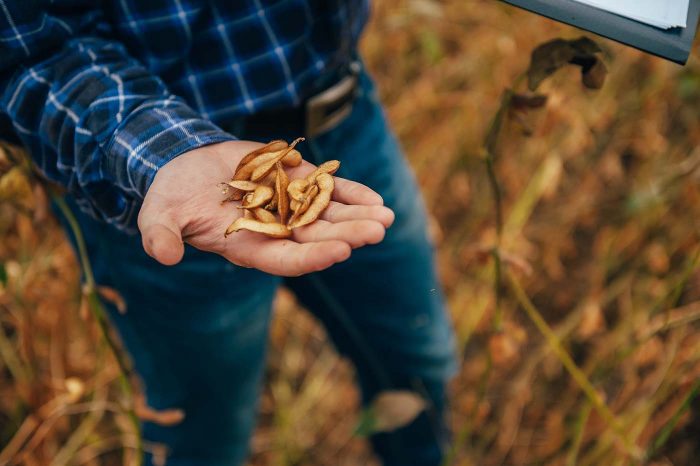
{"x":93,"y":118}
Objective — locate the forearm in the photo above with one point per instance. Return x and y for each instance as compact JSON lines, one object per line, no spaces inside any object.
{"x":94,"y":119}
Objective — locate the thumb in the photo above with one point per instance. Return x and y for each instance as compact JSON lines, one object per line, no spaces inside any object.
{"x":162,"y":241}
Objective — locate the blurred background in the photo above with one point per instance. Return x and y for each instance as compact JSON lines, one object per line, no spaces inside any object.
{"x":598,"y":260}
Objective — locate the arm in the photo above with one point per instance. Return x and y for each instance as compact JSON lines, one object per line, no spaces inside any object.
{"x":183,"y":203}
{"x":93,"y":119}
{"x":97,"y":122}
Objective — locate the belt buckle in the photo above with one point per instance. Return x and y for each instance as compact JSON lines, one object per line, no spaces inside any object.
{"x":318,"y":117}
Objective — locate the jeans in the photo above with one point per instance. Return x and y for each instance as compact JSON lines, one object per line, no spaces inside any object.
{"x":197,"y":331}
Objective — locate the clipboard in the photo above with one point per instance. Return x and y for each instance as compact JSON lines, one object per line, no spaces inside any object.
{"x":672,"y":44}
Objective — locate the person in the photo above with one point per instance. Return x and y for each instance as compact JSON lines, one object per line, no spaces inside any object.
{"x":139,"y":109}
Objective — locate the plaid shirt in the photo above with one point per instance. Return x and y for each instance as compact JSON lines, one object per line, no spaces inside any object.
{"x":104,"y":93}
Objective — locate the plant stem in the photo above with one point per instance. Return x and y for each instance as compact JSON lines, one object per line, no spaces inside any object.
{"x":665,"y":433}
{"x":100,"y":315}
{"x":578,"y":434}
{"x":569,"y":364}
{"x":80,"y":241}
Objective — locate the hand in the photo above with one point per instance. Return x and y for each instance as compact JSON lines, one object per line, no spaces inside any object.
{"x":184,"y":204}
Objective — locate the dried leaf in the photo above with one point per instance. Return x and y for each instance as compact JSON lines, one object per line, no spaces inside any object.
{"x":75,"y":388}
{"x":592,"y":320}
{"x":594,"y":76}
{"x":547,"y":58}
{"x":165,"y":417}
{"x":522,"y":102}
{"x":518,"y":262}
{"x":159,"y":454}
{"x":41,"y":203}
{"x":650,"y":352}
{"x":15,"y":186}
{"x":112,"y":296}
{"x":504,"y":347}
{"x":657,"y":258}
{"x":5,"y":162}
{"x":390,"y":410}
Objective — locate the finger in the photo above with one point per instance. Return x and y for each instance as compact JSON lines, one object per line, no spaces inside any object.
{"x":356,"y":233}
{"x":337,"y":212}
{"x":290,"y":259}
{"x":350,"y":192}
{"x":163,"y":242}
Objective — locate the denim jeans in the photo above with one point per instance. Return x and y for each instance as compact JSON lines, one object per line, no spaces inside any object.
{"x":197,"y":331}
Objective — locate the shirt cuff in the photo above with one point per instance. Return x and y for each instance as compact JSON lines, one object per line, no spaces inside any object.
{"x":151,"y":136}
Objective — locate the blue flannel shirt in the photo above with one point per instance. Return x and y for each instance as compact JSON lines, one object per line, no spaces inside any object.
{"x":103,"y":94}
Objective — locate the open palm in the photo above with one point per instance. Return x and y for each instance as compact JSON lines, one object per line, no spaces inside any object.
{"x":184,"y":204}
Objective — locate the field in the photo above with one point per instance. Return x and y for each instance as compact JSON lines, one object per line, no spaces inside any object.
{"x":585,"y":352}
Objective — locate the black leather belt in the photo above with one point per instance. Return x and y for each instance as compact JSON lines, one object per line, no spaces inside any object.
{"x":320,"y":113}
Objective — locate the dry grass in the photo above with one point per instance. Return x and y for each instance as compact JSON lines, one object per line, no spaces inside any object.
{"x":600,"y":203}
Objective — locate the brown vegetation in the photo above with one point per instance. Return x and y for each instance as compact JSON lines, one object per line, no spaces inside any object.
{"x":598,"y":256}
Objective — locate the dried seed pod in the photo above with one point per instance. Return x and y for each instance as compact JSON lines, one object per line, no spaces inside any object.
{"x":292,"y":159}
{"x":308,"y":198}
{"x":272,"y":205}
{"x":272,"y":146}
{"x":303,"y":206}
{"x":325,"y":183}
{"x":264,"y":216}
{"x":281,"y":183}
{"x":270,"y":179}
{"x":265,"y":189}
{"x":257,"y":198}
{"x":329,"y":167}
{"x":297,"y":188}
{"x":265,"y":167}
{"x":224,"y":187}
{"x":233,"y":194}
{"x":244,"y":171}
{"x":243,"y":185}
{"x":275,"y":230}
